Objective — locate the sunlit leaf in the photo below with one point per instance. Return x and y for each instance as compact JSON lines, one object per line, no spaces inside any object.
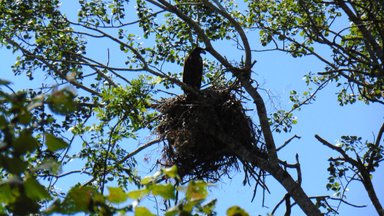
{"x":138,"y":194}
{"x":236,"y":211}
{"x":146,"y":180}
{"x":172,"y":211}
{"x":209,"y":207}
{"x":116,"y":195}
{"x":196,"y":190}
{"x":166,"y":191}
{"x":142,"y":211}
{"x":171,"y":172}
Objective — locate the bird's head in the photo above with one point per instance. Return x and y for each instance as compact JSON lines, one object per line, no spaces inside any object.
{"x":198,"y":50}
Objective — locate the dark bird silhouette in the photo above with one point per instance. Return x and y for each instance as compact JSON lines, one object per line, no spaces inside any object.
{"x":193,"y":69}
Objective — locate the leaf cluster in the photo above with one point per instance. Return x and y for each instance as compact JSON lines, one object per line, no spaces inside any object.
{"x":25,"y":153}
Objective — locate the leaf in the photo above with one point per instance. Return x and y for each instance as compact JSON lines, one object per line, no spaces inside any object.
{"x":13,"y":165}
{"x":78,"y":199}
{"x":8,"y":194}
{"x":196,"y":191}
{"x":54,"y":143}
{"x":25,"y":143}
{"x":116,"y":195}
{"x":171,"y":172}
{"x":138,"y":194}
{"x":236,"y":211}
{"x":172,"y":211}
{"x":166,"y":191}
{"x":49,"y":164}
{"x":34,"y":190}
{"x":142,"y":211}
{"x":62,"y":101}
{"x":146,"y":180}
{"x":209,"y":207}
{"x":37,"y":101}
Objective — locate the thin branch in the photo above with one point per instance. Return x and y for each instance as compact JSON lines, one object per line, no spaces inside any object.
{"x":131,"y":154}
{"x":363,"y":173}
{"x":288,"y":207}
{"x":126,"y":158}
{"x":278,"y":204}
{"x":377,"y":146}
{"x":287,"y":142}
{"x":298,"y":169}
{"x":239,"y":29}
{"x":370,"y":40}
{"x":72,"y":172}
{"x":338,"y":149}
{"x":49,"y":65}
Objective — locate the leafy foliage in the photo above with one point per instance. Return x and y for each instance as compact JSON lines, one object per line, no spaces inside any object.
{"x":20,"y":152}
{"x":302,"y":28}
{"x":100,"y":105}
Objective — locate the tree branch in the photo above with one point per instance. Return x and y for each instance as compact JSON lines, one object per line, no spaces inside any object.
{"x":239,"y":29}
{"x":43,"y":60}
{"x":364,"y":174}
{"x":287,"y":142}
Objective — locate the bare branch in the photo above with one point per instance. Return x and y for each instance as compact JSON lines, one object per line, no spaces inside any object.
{"x":133,"y":153}
{"x":287,"y":142}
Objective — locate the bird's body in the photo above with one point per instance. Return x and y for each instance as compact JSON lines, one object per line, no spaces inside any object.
{"x":193,"y":69}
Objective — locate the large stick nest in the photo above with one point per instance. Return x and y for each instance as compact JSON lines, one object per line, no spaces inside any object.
{"x":192,"y":124}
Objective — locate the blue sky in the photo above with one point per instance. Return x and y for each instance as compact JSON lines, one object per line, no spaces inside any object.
{"x":278,"y":74}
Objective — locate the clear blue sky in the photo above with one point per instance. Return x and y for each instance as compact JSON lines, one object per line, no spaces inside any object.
{"x":279,"y":74}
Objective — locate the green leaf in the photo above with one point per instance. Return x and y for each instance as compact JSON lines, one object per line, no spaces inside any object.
{"x":54,"y":143}
{"x":142,"y":211}
{"x":78,"y":199}
{"x":171,"y":172}
{"x":34,"y":190}
{"x":116,"y":195}
{"x":49,"y":164}
{"x":172,"y":211}
{"x":166,"y":191}
{"x":209,"y":207}
{"x":62,"y":102}
{"x":138,"y":194}
{"x":196,"y":190}
{"x":236,"y":211}
{"x":146,"y":180}
{"x":25,"y":143}
{"x":8,"y":194}
{"x":24,"y":117}
{"x":14,"y":165}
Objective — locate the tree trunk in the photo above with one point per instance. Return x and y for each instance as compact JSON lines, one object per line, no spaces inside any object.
{"x":283,"y":177}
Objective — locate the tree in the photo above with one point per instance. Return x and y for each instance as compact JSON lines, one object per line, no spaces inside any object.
{"x":108,"y":104}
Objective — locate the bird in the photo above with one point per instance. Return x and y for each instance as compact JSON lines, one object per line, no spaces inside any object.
{"x":193,"y":69}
